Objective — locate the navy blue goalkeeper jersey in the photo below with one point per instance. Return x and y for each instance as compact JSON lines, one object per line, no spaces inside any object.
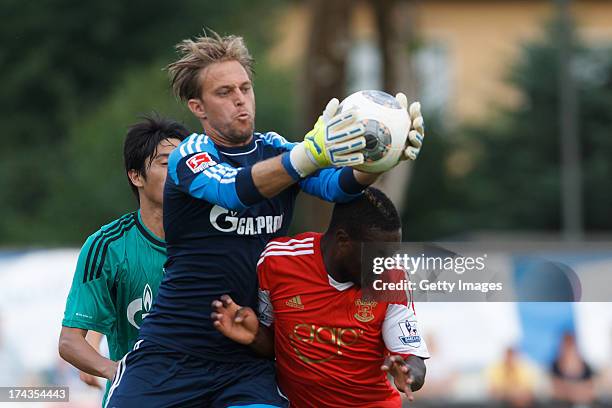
{"x":216,"y":224}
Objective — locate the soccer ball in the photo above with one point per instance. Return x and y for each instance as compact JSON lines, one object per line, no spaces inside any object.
{"x":386,"y":128}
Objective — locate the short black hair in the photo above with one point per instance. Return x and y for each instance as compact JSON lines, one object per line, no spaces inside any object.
{"x":371,"y":210}
{"x":142,"y":140}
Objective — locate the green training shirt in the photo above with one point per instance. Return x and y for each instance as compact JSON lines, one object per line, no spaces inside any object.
{"x":117,"y":276}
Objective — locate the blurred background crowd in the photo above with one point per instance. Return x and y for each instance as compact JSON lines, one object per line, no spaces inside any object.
{"x":517,"y":98}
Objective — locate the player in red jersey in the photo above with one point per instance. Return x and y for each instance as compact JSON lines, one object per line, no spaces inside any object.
{"x":332,"y":347}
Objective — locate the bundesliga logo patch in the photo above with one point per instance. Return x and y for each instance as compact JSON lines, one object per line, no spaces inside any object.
{"x":200,"y":162}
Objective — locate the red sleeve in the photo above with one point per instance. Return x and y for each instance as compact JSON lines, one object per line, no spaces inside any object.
{"x":262,"y":273}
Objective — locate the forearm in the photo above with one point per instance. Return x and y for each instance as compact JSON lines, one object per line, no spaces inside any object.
{"x":74,"y":348}
{"x":263,"y":344}
{"x":95,"y":339}
{"x":418,"y":370}
{"x":270,"y":177}
{"x":364,"y":178}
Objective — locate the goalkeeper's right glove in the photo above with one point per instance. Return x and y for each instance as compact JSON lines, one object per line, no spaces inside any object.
{"x":335,"y":140}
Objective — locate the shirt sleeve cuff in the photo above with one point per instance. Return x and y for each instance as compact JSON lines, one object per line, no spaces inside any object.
{"x":286,"y":161}
{"x":348,"y":183}
{"x":87,"y":326}
{"x":246,"y":191}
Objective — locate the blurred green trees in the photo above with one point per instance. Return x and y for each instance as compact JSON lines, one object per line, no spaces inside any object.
{"x":76,"y":75}
{"x":503,"y":174}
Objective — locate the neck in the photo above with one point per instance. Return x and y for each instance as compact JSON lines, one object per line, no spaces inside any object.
{"x":221,"y":139}
{"x":152,"y":216}
{"x":327,"y":252}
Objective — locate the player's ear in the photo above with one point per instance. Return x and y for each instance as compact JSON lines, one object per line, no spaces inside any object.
{"x":196,"y":106}
{"x":136,"y":178}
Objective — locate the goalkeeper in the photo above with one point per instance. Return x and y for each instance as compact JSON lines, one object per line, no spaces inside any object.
{"x":229,"y":191}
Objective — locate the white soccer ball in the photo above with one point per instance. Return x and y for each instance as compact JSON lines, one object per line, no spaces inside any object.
{"x":386,"y":128}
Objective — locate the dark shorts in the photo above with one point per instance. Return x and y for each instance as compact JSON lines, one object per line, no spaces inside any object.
{"x":154,"y":376}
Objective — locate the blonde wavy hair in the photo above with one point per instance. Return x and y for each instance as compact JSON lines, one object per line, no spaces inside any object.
{"x":199,"y":53}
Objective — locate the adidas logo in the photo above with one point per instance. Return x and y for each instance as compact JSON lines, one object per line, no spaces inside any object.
{"x":295,"y":302}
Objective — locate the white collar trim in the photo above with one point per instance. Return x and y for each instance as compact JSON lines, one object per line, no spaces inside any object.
{"x":341,"y":286}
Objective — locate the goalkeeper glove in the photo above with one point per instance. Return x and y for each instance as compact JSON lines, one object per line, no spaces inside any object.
{"x":417,"y":128}
{"x":335,"y":140}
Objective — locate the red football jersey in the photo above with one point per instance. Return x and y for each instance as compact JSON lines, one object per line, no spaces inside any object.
{"x":329,"y":343}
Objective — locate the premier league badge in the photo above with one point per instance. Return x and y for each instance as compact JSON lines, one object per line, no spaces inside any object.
{"x":410,"y":333}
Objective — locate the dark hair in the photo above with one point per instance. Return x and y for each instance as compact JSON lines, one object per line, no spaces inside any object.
{"x":371,"y":210}
{"x":141,"y":143}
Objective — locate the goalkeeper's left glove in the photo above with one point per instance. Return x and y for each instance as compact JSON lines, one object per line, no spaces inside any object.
{"x":335,"y":140}
{"x":416,"y":134}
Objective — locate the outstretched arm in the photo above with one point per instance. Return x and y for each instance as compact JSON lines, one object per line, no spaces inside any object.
{"x":242,"y":325}
{"x":270,"y":178}
{"x":195,"y":168}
